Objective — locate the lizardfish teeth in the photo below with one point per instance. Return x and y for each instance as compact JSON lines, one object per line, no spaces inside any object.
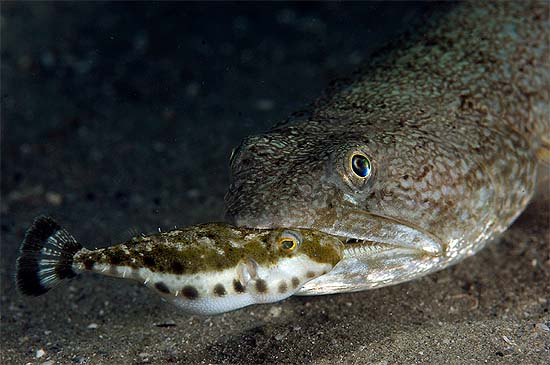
{"x":385,"y":230}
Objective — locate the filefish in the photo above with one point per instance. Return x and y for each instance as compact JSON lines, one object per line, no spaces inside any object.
{"x":428,"y":153}
{"x":204,"y":269}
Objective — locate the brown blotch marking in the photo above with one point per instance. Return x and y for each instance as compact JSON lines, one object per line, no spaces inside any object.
{"x":115,"y":260}
{"x":295,"y":282}
{"x":283,"y":287}
{"x":219,"y":290}
{"x":310,"y":274}
{"x":161,"y":287}
{"x":177,"y":268}
{"x":239,"y":288}
{"x":190,"y":292}
{"x":261,"y":286}
{"x":113,"y":270}
{"x":148,"y":261}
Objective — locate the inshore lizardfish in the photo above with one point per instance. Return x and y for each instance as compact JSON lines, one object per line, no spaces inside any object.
{"x":428,"y":154}
{"x":205,"y":269}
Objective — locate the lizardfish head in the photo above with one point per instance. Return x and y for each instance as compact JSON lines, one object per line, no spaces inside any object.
{"x":214,"y":268}
{"x":367,"y":186}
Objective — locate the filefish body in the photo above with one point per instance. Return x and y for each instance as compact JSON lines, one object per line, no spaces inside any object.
{"x":204,"y":269}
{"x":427,"y":155}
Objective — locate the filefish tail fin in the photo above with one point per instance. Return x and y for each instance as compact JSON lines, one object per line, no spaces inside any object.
{"x":46,"y":257}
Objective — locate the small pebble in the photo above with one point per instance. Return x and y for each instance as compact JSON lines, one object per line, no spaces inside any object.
{"x":165,"y":324}
{"x":265,"y":105}
{"x":193,"y":193}
{"x":275,"y":311}
{"x":192,"y":89}
{"x":508,"y":341}
{"x":542,"y":327}
{"x":54,"y":198}
{"x":40,"y":353}
{"x":279,"y":337}
{"x":49,"y":362}
{"x":144,"y":357}
{"x":92,"y":326}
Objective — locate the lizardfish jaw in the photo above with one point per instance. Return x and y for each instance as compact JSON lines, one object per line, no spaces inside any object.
{"x":379,"y":250}
{"x":355,"y":226}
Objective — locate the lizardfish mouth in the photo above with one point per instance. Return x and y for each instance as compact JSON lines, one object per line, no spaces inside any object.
{"x":378,"y":251}
{"x":369,"y":231}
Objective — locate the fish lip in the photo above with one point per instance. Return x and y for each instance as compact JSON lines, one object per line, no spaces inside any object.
{"x":385,"y":233}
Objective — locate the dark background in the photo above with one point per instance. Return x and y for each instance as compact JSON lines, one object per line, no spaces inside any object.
{"x":119,"y":118}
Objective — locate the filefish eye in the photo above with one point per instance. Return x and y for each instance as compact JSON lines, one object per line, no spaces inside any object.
{"x":289,"y":241}
{"x":360,"y":165}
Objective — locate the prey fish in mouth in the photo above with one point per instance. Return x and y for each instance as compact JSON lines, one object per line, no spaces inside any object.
{"x":204,"y":269}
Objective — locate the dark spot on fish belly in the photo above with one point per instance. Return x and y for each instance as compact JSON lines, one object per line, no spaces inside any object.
{"x":310,"y":274}
{"x":261,"y":286}
{"x":113,"y":270}
{"x":177,"y":268}
{"x":161,"y":287}
{"x":190,"y":292}
{"x":295,"y":282}
{"x":219,"y":290}
{"x":239,"y":288}
{"x":283,"y":287}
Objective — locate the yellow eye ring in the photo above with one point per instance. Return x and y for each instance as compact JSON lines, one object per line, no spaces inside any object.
{"x":288,"y":243}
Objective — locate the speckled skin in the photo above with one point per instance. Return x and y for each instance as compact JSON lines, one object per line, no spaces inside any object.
{"x":210,"y":268}
{"x":207,"y":248}
{"x":452,"y":120}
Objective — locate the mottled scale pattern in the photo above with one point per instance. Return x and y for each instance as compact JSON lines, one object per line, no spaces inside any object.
{"x":452,"y":117}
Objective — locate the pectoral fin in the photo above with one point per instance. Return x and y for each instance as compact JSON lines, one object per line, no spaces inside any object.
{"x":247,"y":270}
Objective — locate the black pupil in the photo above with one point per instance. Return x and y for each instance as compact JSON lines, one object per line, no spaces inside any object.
{"x":287,"y":244}
{"x":360,"y":165}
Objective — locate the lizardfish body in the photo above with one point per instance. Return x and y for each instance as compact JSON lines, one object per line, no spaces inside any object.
{"x":430,"y":152}
{"x":204,"y":269}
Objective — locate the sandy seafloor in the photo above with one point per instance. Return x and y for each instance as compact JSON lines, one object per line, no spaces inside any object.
{"x":120,"y":118}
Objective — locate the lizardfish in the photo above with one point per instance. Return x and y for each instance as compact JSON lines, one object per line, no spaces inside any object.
{"x":430,"y":152}
{"x":203,"y":269}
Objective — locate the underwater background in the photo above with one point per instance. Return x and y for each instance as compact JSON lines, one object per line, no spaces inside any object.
{"x":119,"y":118}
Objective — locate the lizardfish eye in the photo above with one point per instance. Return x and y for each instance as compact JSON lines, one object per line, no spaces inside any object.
{"x":289,"y":241}
{"x":360,"y":165}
